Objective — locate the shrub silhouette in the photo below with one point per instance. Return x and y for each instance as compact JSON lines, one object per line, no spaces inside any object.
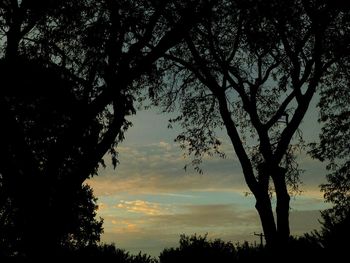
{"x":331,"y":241}
{"x":105,"y":253}
{"x":197,"y":248}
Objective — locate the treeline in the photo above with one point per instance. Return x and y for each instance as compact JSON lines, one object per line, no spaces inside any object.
{"x":314,"y":247}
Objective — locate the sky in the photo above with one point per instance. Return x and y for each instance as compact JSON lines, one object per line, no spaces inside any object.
{"x":149,"y":200}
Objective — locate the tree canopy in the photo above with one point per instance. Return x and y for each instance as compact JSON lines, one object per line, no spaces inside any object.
{"x":253,"y":67}
{"x":334,"y":139}
{"x":333,"y":148}
{"x":70,"y":73}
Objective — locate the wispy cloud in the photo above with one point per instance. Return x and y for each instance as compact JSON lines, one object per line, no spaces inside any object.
{"x":158,"y":167}
{"x":124,"y":226}
{"x":149,"y":200}
{"x":141,"y":206}
{"x":208,"y":216}
{"x":155,"y":225}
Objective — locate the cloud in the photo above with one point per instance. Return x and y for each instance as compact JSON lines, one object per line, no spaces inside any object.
{"x":158,"y":167}
{"x":123,"y":226}
{"x":154,"y":231}
{"x":149,"y":200}
{"x":153,"y":154}
{"x":185,"y":218}
{"x":140,"y":206}
{"x":164,"y":145}
{"x":152,"y":226}
{"x":208,"y":216}
{"x":165,"y":184}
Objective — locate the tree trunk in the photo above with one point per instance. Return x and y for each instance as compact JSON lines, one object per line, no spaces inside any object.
{"x":276,"y":236}
{"x":282,"y":207}
{"x":264,"y":208}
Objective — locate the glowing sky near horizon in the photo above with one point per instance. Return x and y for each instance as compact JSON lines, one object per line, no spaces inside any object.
{"x":149,"y":200}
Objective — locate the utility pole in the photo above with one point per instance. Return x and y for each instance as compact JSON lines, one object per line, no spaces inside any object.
{"x":261,"y":235}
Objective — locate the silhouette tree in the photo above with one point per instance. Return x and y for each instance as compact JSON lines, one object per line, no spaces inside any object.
{"x":85,"y":230}
{"x":39,"y":120}
{"x":253,"y":67}
{"x":81,"y":229}
{"x":70,"y":73}
{"x":333,"y":146}
{"x":334,"y":149}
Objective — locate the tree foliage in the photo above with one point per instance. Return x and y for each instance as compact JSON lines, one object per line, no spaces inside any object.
{"x":85,"y":228}
{"x":334,"y":149}
{"x":71,"y":71}
{"x":253,"y":67}
{"x":197,"y":248}
{"x":334,"y":139}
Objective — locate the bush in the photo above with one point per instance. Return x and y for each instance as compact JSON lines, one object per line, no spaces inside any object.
{"x":199,"y":249}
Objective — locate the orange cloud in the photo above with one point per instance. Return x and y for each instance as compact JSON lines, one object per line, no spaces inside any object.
{"x":102,"y":206}
{"x":125,"y":226}
{"x":140,"y":206}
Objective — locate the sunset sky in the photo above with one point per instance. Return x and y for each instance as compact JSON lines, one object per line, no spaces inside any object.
{"x":149,"y":200}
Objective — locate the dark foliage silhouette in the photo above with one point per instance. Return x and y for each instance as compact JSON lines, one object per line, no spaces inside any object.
{"x":253,"y":67}
{"x":33,"y":122}
{"x":80,"y":228}
{"x":198,"y":248}
{"x":70,"y":73}
{"x":107,"y":253}
{"x":86,"y":229}
{"x":334,"y":149}
{"x":333,"y":236}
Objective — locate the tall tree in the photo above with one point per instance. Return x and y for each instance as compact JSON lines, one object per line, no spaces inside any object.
{"x":253,"y":67}
{"x":334,"y":149}
{"x":334,"y":138}
{"x":70,"y":72}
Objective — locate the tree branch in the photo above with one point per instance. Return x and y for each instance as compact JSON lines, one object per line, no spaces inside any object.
{"x":237,"y":144}
{"x":281,"y":110}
